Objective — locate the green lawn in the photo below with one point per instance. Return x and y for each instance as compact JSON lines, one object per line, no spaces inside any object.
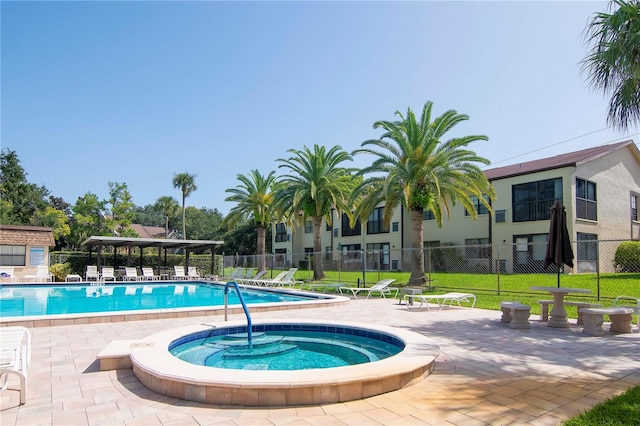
{"x":620,"y":410}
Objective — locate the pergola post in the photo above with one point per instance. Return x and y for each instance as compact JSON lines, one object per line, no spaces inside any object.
{"x":141,"y":258}
{"x":160,"y":259}
{"x":99,"y":257}
{"x":213,"y":260}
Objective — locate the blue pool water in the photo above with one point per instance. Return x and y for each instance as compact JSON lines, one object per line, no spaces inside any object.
{"x":17,"y":301}
{"x":285,"y":347}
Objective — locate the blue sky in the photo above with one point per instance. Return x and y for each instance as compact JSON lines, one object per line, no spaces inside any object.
{"x":135,"y":92}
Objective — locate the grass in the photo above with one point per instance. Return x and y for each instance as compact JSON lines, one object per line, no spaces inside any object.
{"x":623,"y":409}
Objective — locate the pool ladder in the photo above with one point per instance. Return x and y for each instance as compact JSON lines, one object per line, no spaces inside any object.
{"x":244,"y":307}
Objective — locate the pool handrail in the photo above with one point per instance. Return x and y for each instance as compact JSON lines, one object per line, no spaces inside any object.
{"x":244,"y":307}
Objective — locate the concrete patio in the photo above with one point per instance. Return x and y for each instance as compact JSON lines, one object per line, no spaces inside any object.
{"x":487,"y":373}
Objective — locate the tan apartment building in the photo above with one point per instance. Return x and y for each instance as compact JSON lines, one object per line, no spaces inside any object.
{"x":24,"y":248}
{"x":600,"y":188}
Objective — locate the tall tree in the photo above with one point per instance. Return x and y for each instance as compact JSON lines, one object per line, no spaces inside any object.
{"x":254,"y":200}
{"x":19,"y":199}
{"x":613,"y":62}
{"x":315,"y":183}
{"x":168,"y":206}
{"x":121,"y":208}
{"x":416,"y":168}
{"x":187,"y":184}
{"x":88,"y":219}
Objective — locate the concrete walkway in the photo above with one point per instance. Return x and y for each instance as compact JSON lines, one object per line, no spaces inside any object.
{"x":487,"y":373}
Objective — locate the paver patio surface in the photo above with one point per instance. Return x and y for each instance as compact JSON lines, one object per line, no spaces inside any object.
{"x":486,"y":373}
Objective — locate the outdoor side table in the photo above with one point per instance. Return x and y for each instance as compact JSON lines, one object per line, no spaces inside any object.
{"x":72,"y":278}
{"x":411,"y":292}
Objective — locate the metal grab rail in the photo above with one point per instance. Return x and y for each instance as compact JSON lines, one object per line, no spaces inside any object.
{"x":244,"y":307}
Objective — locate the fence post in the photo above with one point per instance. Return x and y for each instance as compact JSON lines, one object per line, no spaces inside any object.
{"x":498,"y":267}
{"x":364,"y":280}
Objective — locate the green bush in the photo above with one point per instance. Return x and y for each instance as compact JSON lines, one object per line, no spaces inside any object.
{"x":60,"y":270}
{"x":627,"y":258}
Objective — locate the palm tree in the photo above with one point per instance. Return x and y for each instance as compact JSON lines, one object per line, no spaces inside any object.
{"x":315,"y":182}
{"x":613,"y":63}
{"x":168,"y":206}
{"x":254,"y":198}
{"x":417,"y":169}
{"x":187,"y":184}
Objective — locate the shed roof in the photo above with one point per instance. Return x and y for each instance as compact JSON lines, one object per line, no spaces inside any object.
{"x":26,"y":235}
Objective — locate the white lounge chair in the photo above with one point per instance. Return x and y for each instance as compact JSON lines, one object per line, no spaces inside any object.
{"x":251,"y":280}
{"x":107,"y":274}
{"x":179,"y":273}
{"x":7,"y":273}
{"x":268,"y":282}
{"x":131,"y":274}
{"x":147,"y":274}
{"x":288,"y":279}
{"x":193,"y":273}
{"x":236,"y":273}
{"x":381,"y":287}
{"x":441,"y":299}
{"x":92,"y":273}
{"x":42,"y":275}
{"x":15,"y":355}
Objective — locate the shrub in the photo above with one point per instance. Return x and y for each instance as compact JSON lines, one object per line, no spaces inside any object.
{"x":627,"y":258}
{"x":60,"y":270}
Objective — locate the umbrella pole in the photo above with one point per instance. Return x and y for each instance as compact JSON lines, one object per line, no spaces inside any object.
{"x":558,"y":277}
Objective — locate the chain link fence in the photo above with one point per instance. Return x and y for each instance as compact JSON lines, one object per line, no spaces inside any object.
{"x":605,"y":265}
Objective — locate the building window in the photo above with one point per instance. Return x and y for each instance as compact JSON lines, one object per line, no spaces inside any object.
{"x":281,"y":233}
{"x":395,"y":226}
{"x":587,"y":247}
{"x":347,"y":231}
{"x":532,"y":201}
{"x":501,"y":216}
{"x":477,"y":248}
{"x":378,"y":256}
{"x":335,"y":232}
{"x":480,"y":208}
{"x":586,"y":206}
{"x":308,"y":227}
{"x":351,"y":251}
{"x":13,"y":255}
{"x":375,"y":223}
{"x":635,"y":198}
{"x":428,"y":215}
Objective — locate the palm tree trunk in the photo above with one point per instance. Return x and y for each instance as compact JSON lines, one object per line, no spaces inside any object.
{"x":318,"y":270}
{"x":262,"y":232}
{"x":184,"y":232}
{"x":417,"y":249}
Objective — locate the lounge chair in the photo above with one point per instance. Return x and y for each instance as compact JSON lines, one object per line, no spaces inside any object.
{"x":251,"y":280}
{"x":179,"y":273}
{"x":42,"y":275}
{"x":15,"y":357}
{"x":442,"y":299}
{"x":147,"y":274}
{"x":381,"y":287}
{"x":269,"y":282}
{"x":107,"y":274}
{"x":193,"y":273}
{"x":7,"y":273}
{"x":236,"y":273}
{"x":131,"y":274}
{"x":288,"y":279}
{"x":91,"y":273}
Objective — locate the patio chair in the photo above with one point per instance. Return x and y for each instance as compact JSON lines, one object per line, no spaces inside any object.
{"x":42,"y":275}
{"x":15,"y":357}
{"x":288,"y":279}
{"x":269,"y":282}
{"x":7,"y":273}
{"x":107,"y":274}
{"x":193,"y":273}
{"x":147,"y":274}
{"x":131,"y":274}
{"x":250,"y":280}
{"x":236,"y":273}
{"x":442,"y":299}
{"x":91,"y":273}
{"x":179,"y":273}
{"x":381,"y":287}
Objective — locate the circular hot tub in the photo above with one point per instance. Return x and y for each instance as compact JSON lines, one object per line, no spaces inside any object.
{"x":158,"y":369}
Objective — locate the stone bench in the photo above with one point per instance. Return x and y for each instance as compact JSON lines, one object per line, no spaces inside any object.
{"x":516,"y":314}
{"x":594,"y":317}
{"x":544,"y":308}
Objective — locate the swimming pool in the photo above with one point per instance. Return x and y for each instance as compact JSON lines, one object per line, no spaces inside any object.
{"x":72,"y":301}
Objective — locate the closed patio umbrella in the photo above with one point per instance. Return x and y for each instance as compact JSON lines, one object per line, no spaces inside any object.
{"x":559,"y":249}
